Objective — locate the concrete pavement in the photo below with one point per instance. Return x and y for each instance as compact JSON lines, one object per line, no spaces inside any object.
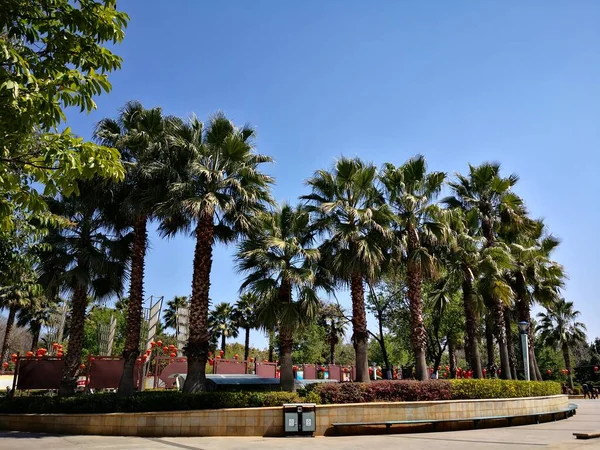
{"x":553,"y":435}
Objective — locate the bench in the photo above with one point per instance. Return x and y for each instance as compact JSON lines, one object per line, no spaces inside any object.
{"x":569,"y":411}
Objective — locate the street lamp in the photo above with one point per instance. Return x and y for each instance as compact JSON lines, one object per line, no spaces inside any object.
{"x":524,"y":327}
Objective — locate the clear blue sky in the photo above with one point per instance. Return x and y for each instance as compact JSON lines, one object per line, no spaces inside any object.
{"x":459,"y":82}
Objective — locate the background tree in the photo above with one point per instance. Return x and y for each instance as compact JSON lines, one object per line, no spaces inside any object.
{"x":246,"y":318}
{"x":83,"y":259}
{"x":38,"y":314}
{"x":281,"y":268}
{"x":333,"y":320}
{"x":170,"y":312}
{"x":559,"y":329}
{"x":349,"y":209}
{"x":47,"y":66}
{"x":410,"y":192}
{"x":222,"y":323}
{"x":219,"y":189}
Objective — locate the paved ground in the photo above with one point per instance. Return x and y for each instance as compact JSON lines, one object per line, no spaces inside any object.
{"x":551,"y":435}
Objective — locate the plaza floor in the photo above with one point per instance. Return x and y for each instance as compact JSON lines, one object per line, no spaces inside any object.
{"x":552,"y":435}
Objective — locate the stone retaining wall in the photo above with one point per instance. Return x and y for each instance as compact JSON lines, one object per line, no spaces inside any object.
{"x":269,"y":421}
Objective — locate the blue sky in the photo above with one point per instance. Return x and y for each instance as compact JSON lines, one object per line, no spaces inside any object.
{"x":459,"y":82}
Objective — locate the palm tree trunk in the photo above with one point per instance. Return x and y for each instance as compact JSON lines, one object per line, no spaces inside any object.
{"x":359,"y":327}
{"x":567,"y":358}
{"x":489,"y":342}
{"x":286,"y":343}
{"x":452,"y":357}
{"x":418,"y":334}
{"x":9,"y":326}
{"x":271,"y":345}
{"x":512,"y":356}
{"x":196,"y":349}
{"x":223,"y":341}
{"x":247,"y":344}
{"x":472,"y":325}
{"x":35,"y":337}
{"x":500,"y":331}
{"x":68,"y":382}
{"x":134,"y":307}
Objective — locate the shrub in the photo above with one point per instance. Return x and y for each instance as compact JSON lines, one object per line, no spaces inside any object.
{"x":144,"y":401}
{"x":493,"y":388}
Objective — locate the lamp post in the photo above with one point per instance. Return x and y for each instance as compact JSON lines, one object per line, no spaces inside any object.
{"x":524,"y":327}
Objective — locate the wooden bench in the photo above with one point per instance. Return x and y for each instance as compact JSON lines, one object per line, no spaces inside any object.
{"x":569,"y":411}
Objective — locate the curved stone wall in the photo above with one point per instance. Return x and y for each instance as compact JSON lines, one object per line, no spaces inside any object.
{"x":269,"y":421}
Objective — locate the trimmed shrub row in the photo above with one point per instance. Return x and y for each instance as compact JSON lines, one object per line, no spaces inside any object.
{"x":328,"y":393}
{"x":143,"y":402}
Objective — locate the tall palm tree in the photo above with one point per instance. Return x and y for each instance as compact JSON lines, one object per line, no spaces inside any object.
{"x":410,"y":192}
{"x":140,"y":135}
{"x":84,"y":259}
{"x":170,"y":312}
{"x":281,"y":265}
{"x":535,"y":278}
{"x":219,"y":190}
{"x":490,"y":195}
{"x":559,"y":329}
{"x":347,"y":205}
{"x":37,"y":316}
{"x":246,"y":317}
{"x":222,"y":323}
{"x":462,"y":256}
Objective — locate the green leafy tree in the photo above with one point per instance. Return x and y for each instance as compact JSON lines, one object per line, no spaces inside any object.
{"x":281,"y":265}
{"x":410,"y":192}
{"x":84,"y":259}
{"x":52,"y":57}
{"x":348,"y":207}
{"x":219,"y":190}
{"x":559,"y":328}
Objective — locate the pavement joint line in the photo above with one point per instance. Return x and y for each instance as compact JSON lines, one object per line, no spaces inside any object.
{"x":470,"y":440}
{"x":173,"y":444}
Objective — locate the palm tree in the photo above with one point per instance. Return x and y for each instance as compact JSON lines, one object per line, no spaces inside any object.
{"x":462,"y":256}
{"x":281,"y":266}
{"x":410,"y":192}
{"x":140,"y":135}
{"x":334,"y":320}
{"x":535,"y":278}
{"x":219,"y":190}
{"x":84,"y":258}
{"x":489,"y":194}
{"x":246,"y":317}
{"x":170,"y":312}
{"x":15,"y":299}
{"x":36,"y":316}
{"x":347,"y":205}
{"x":558,"y":329}
{"x":222,"y":323}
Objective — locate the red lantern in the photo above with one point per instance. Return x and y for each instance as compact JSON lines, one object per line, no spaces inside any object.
{"x":29,"y":354}
{"x":221,"y":352}
{"x":439,"y":367}
{"x":447,"y":368}
{"x":236,"y":356}
{"x":265,"y":360}
{"x":173,"y":355}
{"x":59,"y":354}
{"x":596,"y":369}
{"x":4,"y":365}
{"x":218,"y":357}
{"x":166,"y":349}
{"x":82,"y":366}
{"x":549,"y":372}
{"x":159,"y":343}
{"x":92,"y":358}
{"x":499,"y":371}
{"x":251,"y":359}
{"x":152,"y":344}
{"x":54,"y":345}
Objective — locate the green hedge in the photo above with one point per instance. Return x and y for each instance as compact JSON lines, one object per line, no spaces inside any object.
{"x":327,"y":393}
{"x":493,"y":388}
{"x":142,"y":402}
